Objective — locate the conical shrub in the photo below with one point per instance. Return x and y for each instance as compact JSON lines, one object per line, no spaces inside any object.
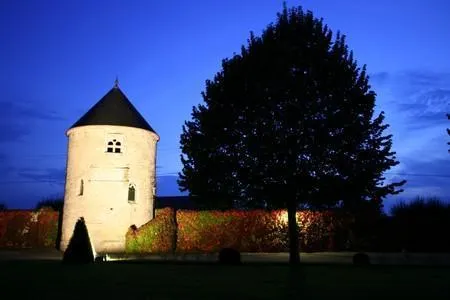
{"x":79,"y":250}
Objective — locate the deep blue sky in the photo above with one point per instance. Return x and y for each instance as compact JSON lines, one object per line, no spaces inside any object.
{"x":57,"y":58}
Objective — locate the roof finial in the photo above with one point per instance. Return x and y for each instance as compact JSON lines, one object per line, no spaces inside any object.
{"x":116,"y":82}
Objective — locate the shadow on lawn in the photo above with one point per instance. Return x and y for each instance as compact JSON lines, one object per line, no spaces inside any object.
{"x":295,"y":270}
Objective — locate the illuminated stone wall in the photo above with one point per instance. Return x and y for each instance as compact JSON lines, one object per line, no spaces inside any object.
{"x":97,"y":183}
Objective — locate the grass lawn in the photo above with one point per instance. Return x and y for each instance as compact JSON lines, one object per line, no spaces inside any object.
{"x":150,"y":280}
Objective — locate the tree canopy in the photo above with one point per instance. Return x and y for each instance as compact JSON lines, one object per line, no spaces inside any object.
{"x":292,"y":111}
{"x":287,"y":122}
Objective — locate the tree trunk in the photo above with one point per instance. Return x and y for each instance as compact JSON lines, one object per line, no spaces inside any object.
{"x":294,"y":255}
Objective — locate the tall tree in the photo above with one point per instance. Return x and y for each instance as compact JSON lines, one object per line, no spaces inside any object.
{"x":289,"y":121}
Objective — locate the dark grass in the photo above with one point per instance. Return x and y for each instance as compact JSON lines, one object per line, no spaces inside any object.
{"x":148,"y":280}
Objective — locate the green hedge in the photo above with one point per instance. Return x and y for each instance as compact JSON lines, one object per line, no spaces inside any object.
{"x":28,"y":229}
{"x":156,"y":236}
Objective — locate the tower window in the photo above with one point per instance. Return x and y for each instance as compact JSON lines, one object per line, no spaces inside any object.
{"x":110,"y":147}
{"x":114,"y":146}
{"x":131,"y":193}
{"x":117,"y":148}
{"x":81,"y":188}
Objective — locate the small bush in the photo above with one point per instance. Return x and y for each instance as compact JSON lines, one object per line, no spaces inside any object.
{"x":54,"y":203}
{"x":79,"y":250}
{"x":361,"y":259}
{"x":229,"y":256}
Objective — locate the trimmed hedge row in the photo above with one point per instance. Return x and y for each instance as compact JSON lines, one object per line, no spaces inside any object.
{"x":256,"y":231}
{"x":28,"y":229}
{"x":187,"y":231}
{"x":156,"y":236}
{"x":246,"y":231}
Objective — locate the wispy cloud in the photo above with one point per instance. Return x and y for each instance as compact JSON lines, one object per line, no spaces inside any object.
{"x":27,"y":110}
{"x":17,"y":118}
{"x":12,"y":132}
{"x":416,"y":103}
{"x":49,"y":175}
{"x":5,"y":166}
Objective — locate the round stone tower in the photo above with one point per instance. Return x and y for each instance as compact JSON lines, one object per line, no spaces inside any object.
{"x":110,"y":176}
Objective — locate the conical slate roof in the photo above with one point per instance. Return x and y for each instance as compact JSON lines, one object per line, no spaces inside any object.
{"x":114,"y":109}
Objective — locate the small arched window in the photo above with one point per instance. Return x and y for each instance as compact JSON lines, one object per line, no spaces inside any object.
{"x":117,"y":147}
{"x":131,"y":193}
{"x":81,"y":188}
{"x":110,"y":147}
{"x":114,"y":146}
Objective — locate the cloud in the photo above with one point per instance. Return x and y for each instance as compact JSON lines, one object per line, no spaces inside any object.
{"x":49,"y":175}
{"x":5,"y":166}
{"x":166,"y":184}
{"x":416,"y":103}
{"x":26,"y":110}
{"x":379,"y":78}
{"x":17,"y":118}
{"x":425,"y":179}
{"x":422,"y":92}
{"x":12,"y":132}
{"x":429,"y":103}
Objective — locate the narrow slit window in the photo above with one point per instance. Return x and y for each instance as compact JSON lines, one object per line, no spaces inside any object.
{"x":131,"y":193}
{"x":81,"y":188}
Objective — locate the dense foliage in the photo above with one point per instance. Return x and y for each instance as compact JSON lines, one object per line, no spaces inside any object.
{"x":422,"y":225}
{"x":28,"y":229}
{"x":156,"y":236}
{"x":291,"y":114}
{"x":257,"y":231}
{"x":289,"y":121}
{"x":53,"y":203}
{"x":245,"y":231}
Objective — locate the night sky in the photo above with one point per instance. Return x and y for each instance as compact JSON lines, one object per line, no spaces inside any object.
{"x":58,"y":58}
